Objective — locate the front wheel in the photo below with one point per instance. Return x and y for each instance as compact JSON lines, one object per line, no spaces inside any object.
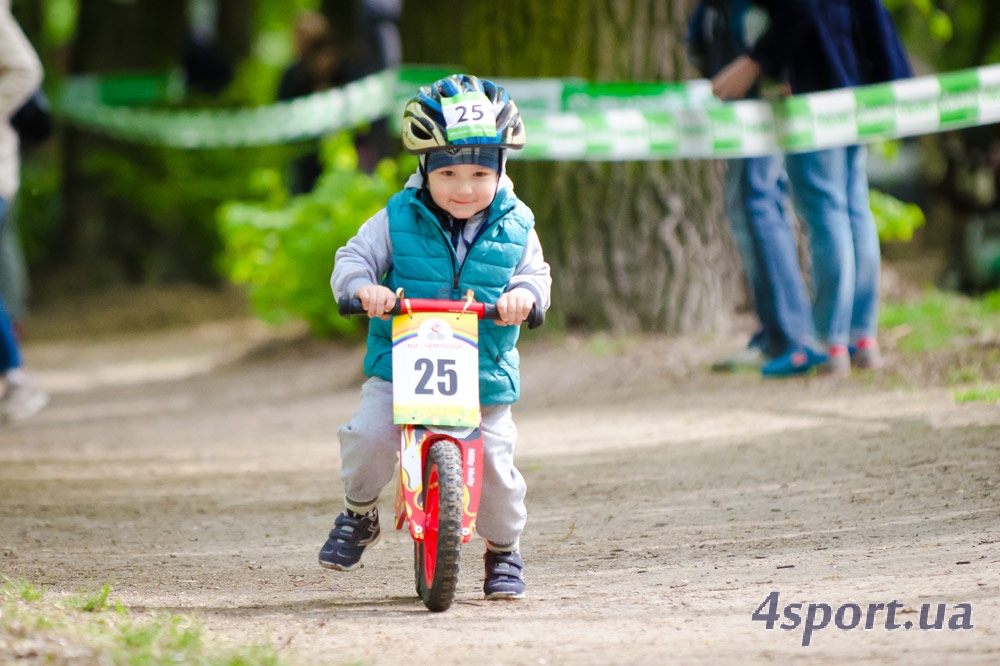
{"x":437,"y":554}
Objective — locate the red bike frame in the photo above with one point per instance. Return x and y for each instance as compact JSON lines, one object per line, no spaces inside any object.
{"x":412,"y":499}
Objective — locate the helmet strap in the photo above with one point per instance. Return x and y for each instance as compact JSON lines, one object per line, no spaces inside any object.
{"x":422,"y":166}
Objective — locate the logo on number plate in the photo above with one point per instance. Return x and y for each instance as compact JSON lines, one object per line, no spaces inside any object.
{"x":435,"y":330}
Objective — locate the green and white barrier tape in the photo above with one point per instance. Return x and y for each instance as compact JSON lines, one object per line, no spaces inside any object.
{"x":801,"y":123}
{"x":355,"y":104}
{"x":570,"y":119}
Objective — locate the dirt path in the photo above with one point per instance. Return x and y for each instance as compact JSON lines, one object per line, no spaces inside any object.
{"x":665,"y":504}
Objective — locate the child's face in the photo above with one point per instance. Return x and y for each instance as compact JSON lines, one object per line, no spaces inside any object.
{"x":463,"y":189}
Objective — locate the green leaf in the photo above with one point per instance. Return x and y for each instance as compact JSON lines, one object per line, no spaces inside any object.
{"x":284,"y":253}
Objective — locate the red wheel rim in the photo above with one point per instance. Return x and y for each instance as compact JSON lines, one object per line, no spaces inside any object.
{"x":432,"y":516}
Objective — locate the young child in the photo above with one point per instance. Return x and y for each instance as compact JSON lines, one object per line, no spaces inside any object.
{"x":457,"y":225}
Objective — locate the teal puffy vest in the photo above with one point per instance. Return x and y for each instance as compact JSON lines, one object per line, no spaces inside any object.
{"x":425,"y":265}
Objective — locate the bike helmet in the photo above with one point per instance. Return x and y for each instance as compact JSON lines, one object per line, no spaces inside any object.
{"x":461,"y":111}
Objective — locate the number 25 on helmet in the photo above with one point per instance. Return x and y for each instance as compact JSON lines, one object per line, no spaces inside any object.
{"x":461,"y":111}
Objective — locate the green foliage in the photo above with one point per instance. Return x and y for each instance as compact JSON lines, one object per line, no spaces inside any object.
{"x":167,"y":232}
{"x":274,"y":36}
{"x":937,"y":319}
{"x":894,"y":219}
{"x":255,"y":84}
{"x":283,"y":249}
{"x":60,"y":20}
{"x":935,"y":20}
{"x":37,"y":205}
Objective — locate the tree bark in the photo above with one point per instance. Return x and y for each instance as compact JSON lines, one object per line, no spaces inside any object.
{"x":111,"y":36}
{"x":237,"y":28}
{"x":640,"y":246}
{"x":30,"y":16}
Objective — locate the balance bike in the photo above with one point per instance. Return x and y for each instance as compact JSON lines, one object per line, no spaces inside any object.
{"x":435,"y":370}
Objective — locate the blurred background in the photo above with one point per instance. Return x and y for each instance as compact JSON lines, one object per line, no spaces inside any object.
{"x":634,"y":246}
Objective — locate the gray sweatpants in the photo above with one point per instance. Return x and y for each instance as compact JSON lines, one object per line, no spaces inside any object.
{"x":369,"y":447}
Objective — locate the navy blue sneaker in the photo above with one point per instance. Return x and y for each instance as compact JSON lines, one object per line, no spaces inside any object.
{"x":351,"y":536}
{"x":503,"y":576}
{"x":792,"y":363}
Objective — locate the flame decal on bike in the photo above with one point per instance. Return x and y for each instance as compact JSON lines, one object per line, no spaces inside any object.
{"x":409,"y":457}
{"x":410,"y":493}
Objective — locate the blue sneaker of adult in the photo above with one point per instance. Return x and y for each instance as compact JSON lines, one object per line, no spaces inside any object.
{"x":792,"y":363}
{"x":503,"y":576}
{"x":350,"y":537}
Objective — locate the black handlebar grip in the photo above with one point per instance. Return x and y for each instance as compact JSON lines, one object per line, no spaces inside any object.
{"x":535,"y":318}
{"x":351,"y":306}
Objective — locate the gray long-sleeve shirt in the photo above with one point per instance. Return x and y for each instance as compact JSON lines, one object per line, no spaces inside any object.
{"x":368,"y":256}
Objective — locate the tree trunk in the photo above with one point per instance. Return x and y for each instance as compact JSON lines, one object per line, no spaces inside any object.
{"x":29,"y":15}
{"x":111,"y":36}
{"x":237,"y":21}
{"x":641,"y":246}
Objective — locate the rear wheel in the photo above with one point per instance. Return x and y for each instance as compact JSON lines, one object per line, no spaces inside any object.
{"x":438,"y":553}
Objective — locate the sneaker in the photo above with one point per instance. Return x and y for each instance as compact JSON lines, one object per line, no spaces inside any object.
{"x":865,"y":354}
{"x":21,"y":400}
{"x":838,"y":362}
{"x":503,"y":576}
{"x":350,"y":537}
{"x":792,"y":363}
{"x":748,"y":358}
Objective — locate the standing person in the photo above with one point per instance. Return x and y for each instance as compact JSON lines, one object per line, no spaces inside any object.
{"x":320,"y":65}
{"x":382,"y":48}
{"x":759,"y":217}
{"x":308,"y":28}
{"x":824,"y":45}
{"x":456,"y":226}
{"x":20,"y":76}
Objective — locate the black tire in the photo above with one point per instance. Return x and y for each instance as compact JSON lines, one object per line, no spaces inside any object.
{"x":437,"y":555}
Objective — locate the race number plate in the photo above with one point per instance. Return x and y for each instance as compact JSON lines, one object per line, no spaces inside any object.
{"x":435,"y":369}
{"x":469,"y":115}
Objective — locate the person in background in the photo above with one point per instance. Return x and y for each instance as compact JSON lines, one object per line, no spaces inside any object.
{"x":757,"y":208}
{"x":207,"y":69}
{"x":306,"y":29}
{"x":20,"y":77}
{"x":382,"y":48}
{"x":320,"y":65}
{"x":825,"y":45}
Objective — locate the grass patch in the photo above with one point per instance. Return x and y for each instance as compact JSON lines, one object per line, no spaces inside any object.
{"x":939,"y":320}
{"x":90,"y":627}
{"x":977,"y":394}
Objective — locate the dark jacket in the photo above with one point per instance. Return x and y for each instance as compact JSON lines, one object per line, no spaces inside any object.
{"x":826,"y":44}
{"x":715,"y":34}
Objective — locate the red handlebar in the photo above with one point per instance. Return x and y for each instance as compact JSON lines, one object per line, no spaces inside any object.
{"x":349,"y":306}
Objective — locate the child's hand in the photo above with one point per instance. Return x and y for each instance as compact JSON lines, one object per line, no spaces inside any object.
{"x":376,"y":299}
{"x":514,"y":307}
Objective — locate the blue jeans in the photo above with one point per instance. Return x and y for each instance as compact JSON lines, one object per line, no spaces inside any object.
{"x":10,"y":351}
{"x":757,"y":208}
{"x":830,"y":190}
